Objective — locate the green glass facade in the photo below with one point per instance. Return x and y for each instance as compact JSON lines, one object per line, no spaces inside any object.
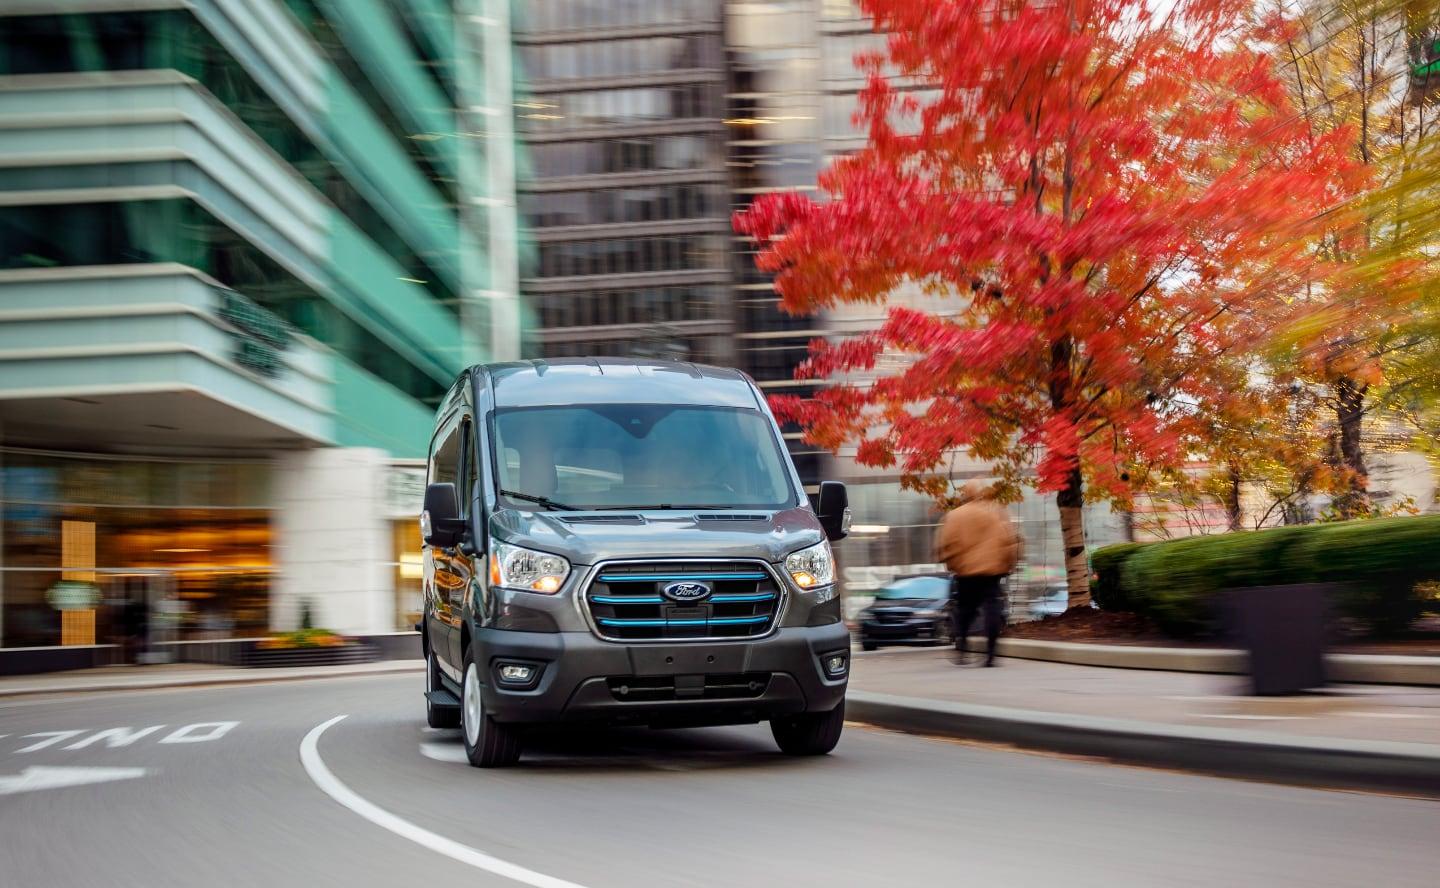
{"x":375,"y":232}
{"x":244,"y":250}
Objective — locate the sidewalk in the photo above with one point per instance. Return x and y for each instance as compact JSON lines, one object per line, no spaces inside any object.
{"x":1361,"y":712}
{"x":1361,"y":736}
{"x":181,"y":675}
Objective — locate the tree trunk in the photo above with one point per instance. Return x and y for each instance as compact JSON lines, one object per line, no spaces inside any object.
{"x":1232,"y":498}
{"x":1349,"y":414}
{"x":1071,"y":501}
{"x":1071,"y":497}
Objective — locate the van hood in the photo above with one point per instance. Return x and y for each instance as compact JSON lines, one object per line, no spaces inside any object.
{"x":586,"y":538}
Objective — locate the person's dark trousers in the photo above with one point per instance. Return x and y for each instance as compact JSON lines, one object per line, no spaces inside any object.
{"x":972,"y":594}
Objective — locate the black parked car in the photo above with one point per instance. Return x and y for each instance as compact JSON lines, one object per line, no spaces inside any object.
{"x":910,"y":610}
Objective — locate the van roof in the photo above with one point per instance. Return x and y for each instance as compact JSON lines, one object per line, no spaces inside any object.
{"x":565,"y":381}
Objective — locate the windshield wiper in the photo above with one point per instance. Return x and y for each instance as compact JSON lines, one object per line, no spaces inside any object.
{"x":545,"y":501}
{"x":657,"y":507}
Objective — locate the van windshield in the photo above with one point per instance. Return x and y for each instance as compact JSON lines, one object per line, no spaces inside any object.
{"x":639,"y":456}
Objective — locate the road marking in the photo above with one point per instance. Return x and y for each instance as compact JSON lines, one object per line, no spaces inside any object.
{"x":37,"y":777}
{"x":187,"y":734}
{"x":444,"y":752}
{"x":55,"y":737}
{"x":115,"y":737}
{"x":337,"y":790}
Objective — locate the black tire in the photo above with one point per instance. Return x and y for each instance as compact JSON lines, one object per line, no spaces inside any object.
{"x":868,"y":645}
{"x":945,"y":628}
{"x":488,"y":744}
{"x":810,"y":733}
{"x":437,"y":716}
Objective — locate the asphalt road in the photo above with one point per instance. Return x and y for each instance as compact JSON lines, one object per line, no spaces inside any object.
{"x":219,"y":795}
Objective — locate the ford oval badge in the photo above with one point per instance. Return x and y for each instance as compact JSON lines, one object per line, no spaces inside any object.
{"x":686,"y":592}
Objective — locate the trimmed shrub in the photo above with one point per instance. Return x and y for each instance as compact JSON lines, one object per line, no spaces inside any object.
{"x":1380,"y":561}
{"x":1175,"y":584}
{"x":1105,"y":585}
{"x":1378,"y":564}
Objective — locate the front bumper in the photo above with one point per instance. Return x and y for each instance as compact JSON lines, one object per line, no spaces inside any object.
{"x":582,"y":678}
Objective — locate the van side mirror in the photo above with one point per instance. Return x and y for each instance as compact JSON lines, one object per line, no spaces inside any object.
{"x":440,"y":522}
{"x":833,"y":510}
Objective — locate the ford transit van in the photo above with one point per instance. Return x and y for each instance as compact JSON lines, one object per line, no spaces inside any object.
{"x":625,"y":542}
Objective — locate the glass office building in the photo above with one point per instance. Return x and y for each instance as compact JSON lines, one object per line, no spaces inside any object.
{"x":647,"y":123}
{"x":625,"y":190}
{"x":244,"y":249}
{"x":773,"y":143}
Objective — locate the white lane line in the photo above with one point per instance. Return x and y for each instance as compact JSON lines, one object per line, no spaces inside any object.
{"x":335,"y":789}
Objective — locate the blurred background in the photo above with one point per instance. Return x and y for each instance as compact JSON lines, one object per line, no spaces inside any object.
{"x":244,"y":248}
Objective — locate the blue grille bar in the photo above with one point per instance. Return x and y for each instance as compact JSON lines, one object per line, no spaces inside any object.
{"x":714,"y":621}
{"x":656,"y":599}
{"x":733,"y":599}
{"x":650,"y":578}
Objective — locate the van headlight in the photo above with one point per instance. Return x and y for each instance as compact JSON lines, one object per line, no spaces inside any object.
{"x":811,"y":567}
{"x":512,"y":567}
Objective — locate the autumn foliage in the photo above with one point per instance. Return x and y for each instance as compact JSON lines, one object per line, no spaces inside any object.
{"x":1110,"y":202}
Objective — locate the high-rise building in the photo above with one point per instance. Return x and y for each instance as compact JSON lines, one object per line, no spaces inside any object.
{"x":626,"y":188}
{"x":244,"y":250}
{"x":648,"y":122}
{"x":773,"y":143}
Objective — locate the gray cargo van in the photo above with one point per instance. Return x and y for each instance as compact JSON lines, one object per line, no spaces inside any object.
{"x":625,"y":542}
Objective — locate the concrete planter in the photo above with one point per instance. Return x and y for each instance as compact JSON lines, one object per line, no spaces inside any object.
{"x":339,"y":655}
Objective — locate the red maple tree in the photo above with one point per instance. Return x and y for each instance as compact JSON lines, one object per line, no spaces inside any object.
{"x":1107,"y":198}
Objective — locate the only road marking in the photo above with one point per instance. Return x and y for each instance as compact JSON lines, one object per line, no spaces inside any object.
{"x":37,"y":777}
{"x":337,"y":790}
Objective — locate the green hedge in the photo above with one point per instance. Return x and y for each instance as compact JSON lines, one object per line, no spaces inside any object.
{"x":1378,"y":564}
{"x":1105,"y":585}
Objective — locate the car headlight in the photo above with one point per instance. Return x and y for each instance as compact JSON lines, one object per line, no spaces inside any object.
{"x":930,"y":614}
{"x":512,"y":567}
{"x":811,"y":567}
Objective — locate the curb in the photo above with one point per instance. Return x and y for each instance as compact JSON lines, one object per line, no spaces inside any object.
{"x":1346,"y":668}
{"x":239,"y":676}
{"x":1408,"y":768}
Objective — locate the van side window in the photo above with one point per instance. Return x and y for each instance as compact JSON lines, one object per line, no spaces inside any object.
{"x":445,"y":459}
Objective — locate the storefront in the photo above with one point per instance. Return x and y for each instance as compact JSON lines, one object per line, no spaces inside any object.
{"x":84,"y":537}
{"x":406,"y":493}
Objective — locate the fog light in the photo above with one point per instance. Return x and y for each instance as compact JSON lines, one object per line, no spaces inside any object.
{"x":517,"y":673}
{"x":835,"y":664}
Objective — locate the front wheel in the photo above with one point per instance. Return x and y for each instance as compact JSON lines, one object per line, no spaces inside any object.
{"x":810,"y":733}
{"x":488,"y":744}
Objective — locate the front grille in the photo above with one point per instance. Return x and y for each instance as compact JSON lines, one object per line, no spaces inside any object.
{"x":648,"y":689}
{"x":893,"y":616}
{"x":627,"y":604}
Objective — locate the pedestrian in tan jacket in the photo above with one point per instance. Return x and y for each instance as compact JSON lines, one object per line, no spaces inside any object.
{"x":979,"y":545}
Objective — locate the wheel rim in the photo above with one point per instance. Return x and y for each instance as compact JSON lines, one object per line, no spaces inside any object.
{"x":429,"y":673}
{"x":471,"y":708}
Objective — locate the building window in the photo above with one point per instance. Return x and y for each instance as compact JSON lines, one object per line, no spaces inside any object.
{"x":175,"y":40}
{"x":181,"y":231}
